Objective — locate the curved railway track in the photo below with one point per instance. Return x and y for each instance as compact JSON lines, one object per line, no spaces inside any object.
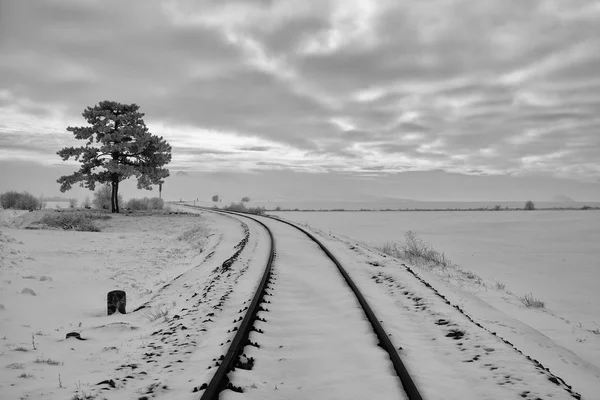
{"x":231,"y":359}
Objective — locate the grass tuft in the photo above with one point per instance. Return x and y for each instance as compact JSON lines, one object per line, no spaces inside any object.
{"x":21,"y":348}
{"x":48,"y":361}
{"x":531,"y":302}
{"x":154,"y":314}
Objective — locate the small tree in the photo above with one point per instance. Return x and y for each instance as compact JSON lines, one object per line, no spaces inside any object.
{"x":245,"y":199}
{"x":529,"y":205}
{"x":103,"y":198}
{"x":215,"y":198}
{"x":72,"y":203}
{"x":118,"y":146}
{"x":86,"y":202}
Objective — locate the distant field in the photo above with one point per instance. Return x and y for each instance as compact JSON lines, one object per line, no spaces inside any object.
{"x":397,"y":205}
{"x":553,"y":254}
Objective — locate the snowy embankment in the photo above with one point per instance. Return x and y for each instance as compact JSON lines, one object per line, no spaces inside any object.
{"x":55,"y":282}
{"x":540,"y":333}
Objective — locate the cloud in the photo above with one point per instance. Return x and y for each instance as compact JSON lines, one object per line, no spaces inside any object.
{"x":509,"y":87}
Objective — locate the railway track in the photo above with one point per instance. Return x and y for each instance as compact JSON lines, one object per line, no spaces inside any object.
{"x":309,"y":329}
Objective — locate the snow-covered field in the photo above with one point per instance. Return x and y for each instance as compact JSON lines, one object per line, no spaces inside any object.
{"x":551,"y":254}
{"x":55,"y":282}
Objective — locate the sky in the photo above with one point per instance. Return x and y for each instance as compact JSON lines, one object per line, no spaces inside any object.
{"x":431,"y":100}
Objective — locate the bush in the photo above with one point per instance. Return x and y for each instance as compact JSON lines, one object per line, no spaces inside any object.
{"x":73,"y":221}
{"x":20,"y":201}
{"x":102,"y":198}
{"x":146,"y":204}
{"x":240,"y":207}
{"x":156,"y":203}
{"x":137,"y":204}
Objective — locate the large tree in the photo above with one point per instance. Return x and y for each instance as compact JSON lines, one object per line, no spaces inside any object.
{"x":118,"y":146}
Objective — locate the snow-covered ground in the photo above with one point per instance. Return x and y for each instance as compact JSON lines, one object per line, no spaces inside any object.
{"x":175,"y":267}
{"x":551,"y":254}
{"x":56,"y":282}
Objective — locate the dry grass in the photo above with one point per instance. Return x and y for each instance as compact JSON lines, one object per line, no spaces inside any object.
{"x":73,"y":221}
{"x":531,"y":302}
{"x":416,"y":251}
{"x":420,"y":253}
{"x":154,"y":314}
{"x":48,"y":361}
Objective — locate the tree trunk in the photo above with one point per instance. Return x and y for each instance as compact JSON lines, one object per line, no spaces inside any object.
{"x":114,"y":198}
{"x":117,"y":197}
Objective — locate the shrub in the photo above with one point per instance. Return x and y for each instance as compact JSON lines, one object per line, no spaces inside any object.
{"x":238,"y":207}
{"x":102,"y":198}
{"x":156,"y":203}
{"x":137,"y":204}
{"x":529,"y":205}
{"x":73,"y":221}
{"x":241,"y":207}
{"x":20,"y":201}
{"x":146,"y":204}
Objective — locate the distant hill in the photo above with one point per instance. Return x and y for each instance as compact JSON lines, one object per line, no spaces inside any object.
{"x":182,"y":173}
{"x":561,"y":198}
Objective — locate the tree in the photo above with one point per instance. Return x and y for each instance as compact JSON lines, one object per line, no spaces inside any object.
{"x":72,"y":203}
{"x":245,"y":199}
{"x":118,"y":146}
{"x":86,"y":202}
{"x":215,"y":198}
{"x":529,"y":205}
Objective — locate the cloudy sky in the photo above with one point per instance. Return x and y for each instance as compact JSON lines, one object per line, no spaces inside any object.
{"x":373,"y":92}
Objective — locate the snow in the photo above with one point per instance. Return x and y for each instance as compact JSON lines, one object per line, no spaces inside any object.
{"x":163,"y":262}
{"x":175,"y":263}
{"x":316,"y":341}
{"x":552,"y":254}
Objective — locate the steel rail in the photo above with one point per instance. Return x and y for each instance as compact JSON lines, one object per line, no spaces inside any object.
{"x":220,"y":379}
